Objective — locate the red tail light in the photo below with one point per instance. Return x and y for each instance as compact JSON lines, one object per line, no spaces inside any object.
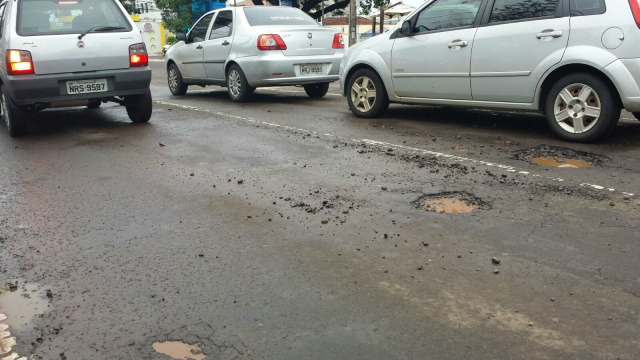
{"x":138,"y":55}
{"x":19,"y":62}
{"x":271,"y":42}
{"x":338,"y":41}
{"x":635,"y":9}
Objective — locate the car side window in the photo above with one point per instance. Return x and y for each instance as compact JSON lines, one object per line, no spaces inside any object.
{"x":447,"y":14}
{"x":2,"y":7}
{"x":587,"y":7}
{"x":222,"y":25}
{"x":514,"y":10}
{"x":199,"y":31}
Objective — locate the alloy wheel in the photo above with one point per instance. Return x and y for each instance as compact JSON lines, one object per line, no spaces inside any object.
{"x":577,"y":108}
{"x":173,"y":80}
{"x":234,"y":83}
{"x":363,"y":94}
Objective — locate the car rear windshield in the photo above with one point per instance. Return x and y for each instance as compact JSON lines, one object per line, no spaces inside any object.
{"x":270,"y":15}
{"x":51,"y":17}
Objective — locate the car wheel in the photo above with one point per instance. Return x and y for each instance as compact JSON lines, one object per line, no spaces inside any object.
{"x":237,"y":84}
{"x":366,"y":95}
{"x":15,"y":117}
{"x":139,"y":107}
{"x":94,"y":104}
{"x":581,"y":108}
{"x":174,"y":77}
{"x":316,"y":90}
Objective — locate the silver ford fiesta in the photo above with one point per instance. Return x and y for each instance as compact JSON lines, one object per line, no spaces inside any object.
{"x":249,"y":47}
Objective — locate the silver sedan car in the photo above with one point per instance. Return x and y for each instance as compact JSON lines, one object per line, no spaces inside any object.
{"x":577,"y":61}
{"x":259,"y":46}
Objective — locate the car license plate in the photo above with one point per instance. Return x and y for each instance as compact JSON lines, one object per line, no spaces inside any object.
{"x":86,"y":86}
{"x":311,"y":69}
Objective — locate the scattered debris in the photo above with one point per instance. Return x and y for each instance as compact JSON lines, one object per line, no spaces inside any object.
{"x":495,"y":260}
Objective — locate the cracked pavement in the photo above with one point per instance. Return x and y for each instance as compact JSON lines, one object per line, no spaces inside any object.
{"x":285,"y":228}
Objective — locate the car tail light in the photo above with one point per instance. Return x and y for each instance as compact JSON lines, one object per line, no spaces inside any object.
{"x":338,"y":41}
{"x":635,"y":9}
{"x":271,"y":42}
{"x":19,"y":62}
{"x":138,"y":55}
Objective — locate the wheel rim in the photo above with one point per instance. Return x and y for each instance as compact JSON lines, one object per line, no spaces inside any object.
{"x":234,"y":83}
{"x":577,"y":108}
{"x":363,"y":94}
{"x":5,"y":112}
{"x":173,"y":80}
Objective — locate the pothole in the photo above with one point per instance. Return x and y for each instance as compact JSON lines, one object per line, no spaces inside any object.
{"x":451,"y":203}
{"x":179,"y":350}
{"x":554,"y":156}
{"x":21,"y":304}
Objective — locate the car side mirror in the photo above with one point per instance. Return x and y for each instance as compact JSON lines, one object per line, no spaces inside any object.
{"x":181,"y":37}
{"x":406,"y":28}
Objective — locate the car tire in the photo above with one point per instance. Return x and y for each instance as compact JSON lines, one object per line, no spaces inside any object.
{"x":361,"y":102}
{"x":94,"y":104}
{"x":15,"y":117}
{"x":237,"y":84}
{"x":316,"y":90}
{"x":174,"y":79}
{"x":637,"y":115}
{"x":139,"y":107}
{"x":597,"y":114}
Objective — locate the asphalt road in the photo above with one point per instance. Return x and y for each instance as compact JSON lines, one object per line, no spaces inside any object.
{"x":286,"y":228}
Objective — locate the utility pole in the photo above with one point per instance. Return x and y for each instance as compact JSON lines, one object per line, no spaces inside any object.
{"x":353,"y":23}
{"x":322,"y":12}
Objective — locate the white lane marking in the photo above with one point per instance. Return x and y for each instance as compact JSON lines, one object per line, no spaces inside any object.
{"x":156,"y":60}
{"x":387,"y":145}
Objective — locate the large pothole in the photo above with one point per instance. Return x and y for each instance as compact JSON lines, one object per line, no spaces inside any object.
{"x":555,"y":156}
{"x":456,"y":202}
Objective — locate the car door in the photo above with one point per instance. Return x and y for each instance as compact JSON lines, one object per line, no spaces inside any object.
{"x":217,"y":47}
{"x":433,"y":60}
{"x":192,"y":52}
{"x":517,"y":43}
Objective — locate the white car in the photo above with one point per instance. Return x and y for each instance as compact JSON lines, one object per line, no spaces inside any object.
{"x":258,"y":46}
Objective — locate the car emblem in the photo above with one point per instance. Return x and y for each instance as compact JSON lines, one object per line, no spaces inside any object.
{"x":309,"y":35}
{"x":81,"y":44}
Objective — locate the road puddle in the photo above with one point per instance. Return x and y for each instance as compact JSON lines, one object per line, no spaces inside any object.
{"x":179,"y":350}
{"x":22,"y":304}
{"x":450,"y":203}
{"x":449,"y":206}
{"x":561,"y":163}
{"x":7,"y":342}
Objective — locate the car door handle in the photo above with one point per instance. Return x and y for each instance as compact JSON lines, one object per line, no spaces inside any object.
{"x":549,"y":33}
{"x":199,"y":47}
{"x":225,"y":43}
{"x":459,"y":43}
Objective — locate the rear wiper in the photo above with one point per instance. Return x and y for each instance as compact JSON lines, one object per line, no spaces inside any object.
{"x":101,"y":28}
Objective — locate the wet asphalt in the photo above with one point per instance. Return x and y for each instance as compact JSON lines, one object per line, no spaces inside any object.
{"x":286,"y":228}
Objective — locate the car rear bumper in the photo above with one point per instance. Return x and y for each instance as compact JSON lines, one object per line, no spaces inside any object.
{"x":260,"y":70}
{"x":27,"y":90}
{"x":625,"y":74}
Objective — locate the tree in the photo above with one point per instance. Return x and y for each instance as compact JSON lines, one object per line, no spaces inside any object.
{"x":367,"y":5}
{"x":176,"y":14}
{"x":130,"y":6}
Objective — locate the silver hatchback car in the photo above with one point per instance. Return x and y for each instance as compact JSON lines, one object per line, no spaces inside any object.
{"x":61,"y":53}
{"x":258,"y":46}
{"x":577,"y":61}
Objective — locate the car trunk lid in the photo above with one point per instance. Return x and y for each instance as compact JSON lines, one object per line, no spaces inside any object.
{"x":55,"y":54}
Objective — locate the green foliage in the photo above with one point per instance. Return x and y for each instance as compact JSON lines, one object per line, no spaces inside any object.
{"x":176,"y":14}
{"x":366,"y":6}
{"x":130,"y":6}
{"x":172,"y":40}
